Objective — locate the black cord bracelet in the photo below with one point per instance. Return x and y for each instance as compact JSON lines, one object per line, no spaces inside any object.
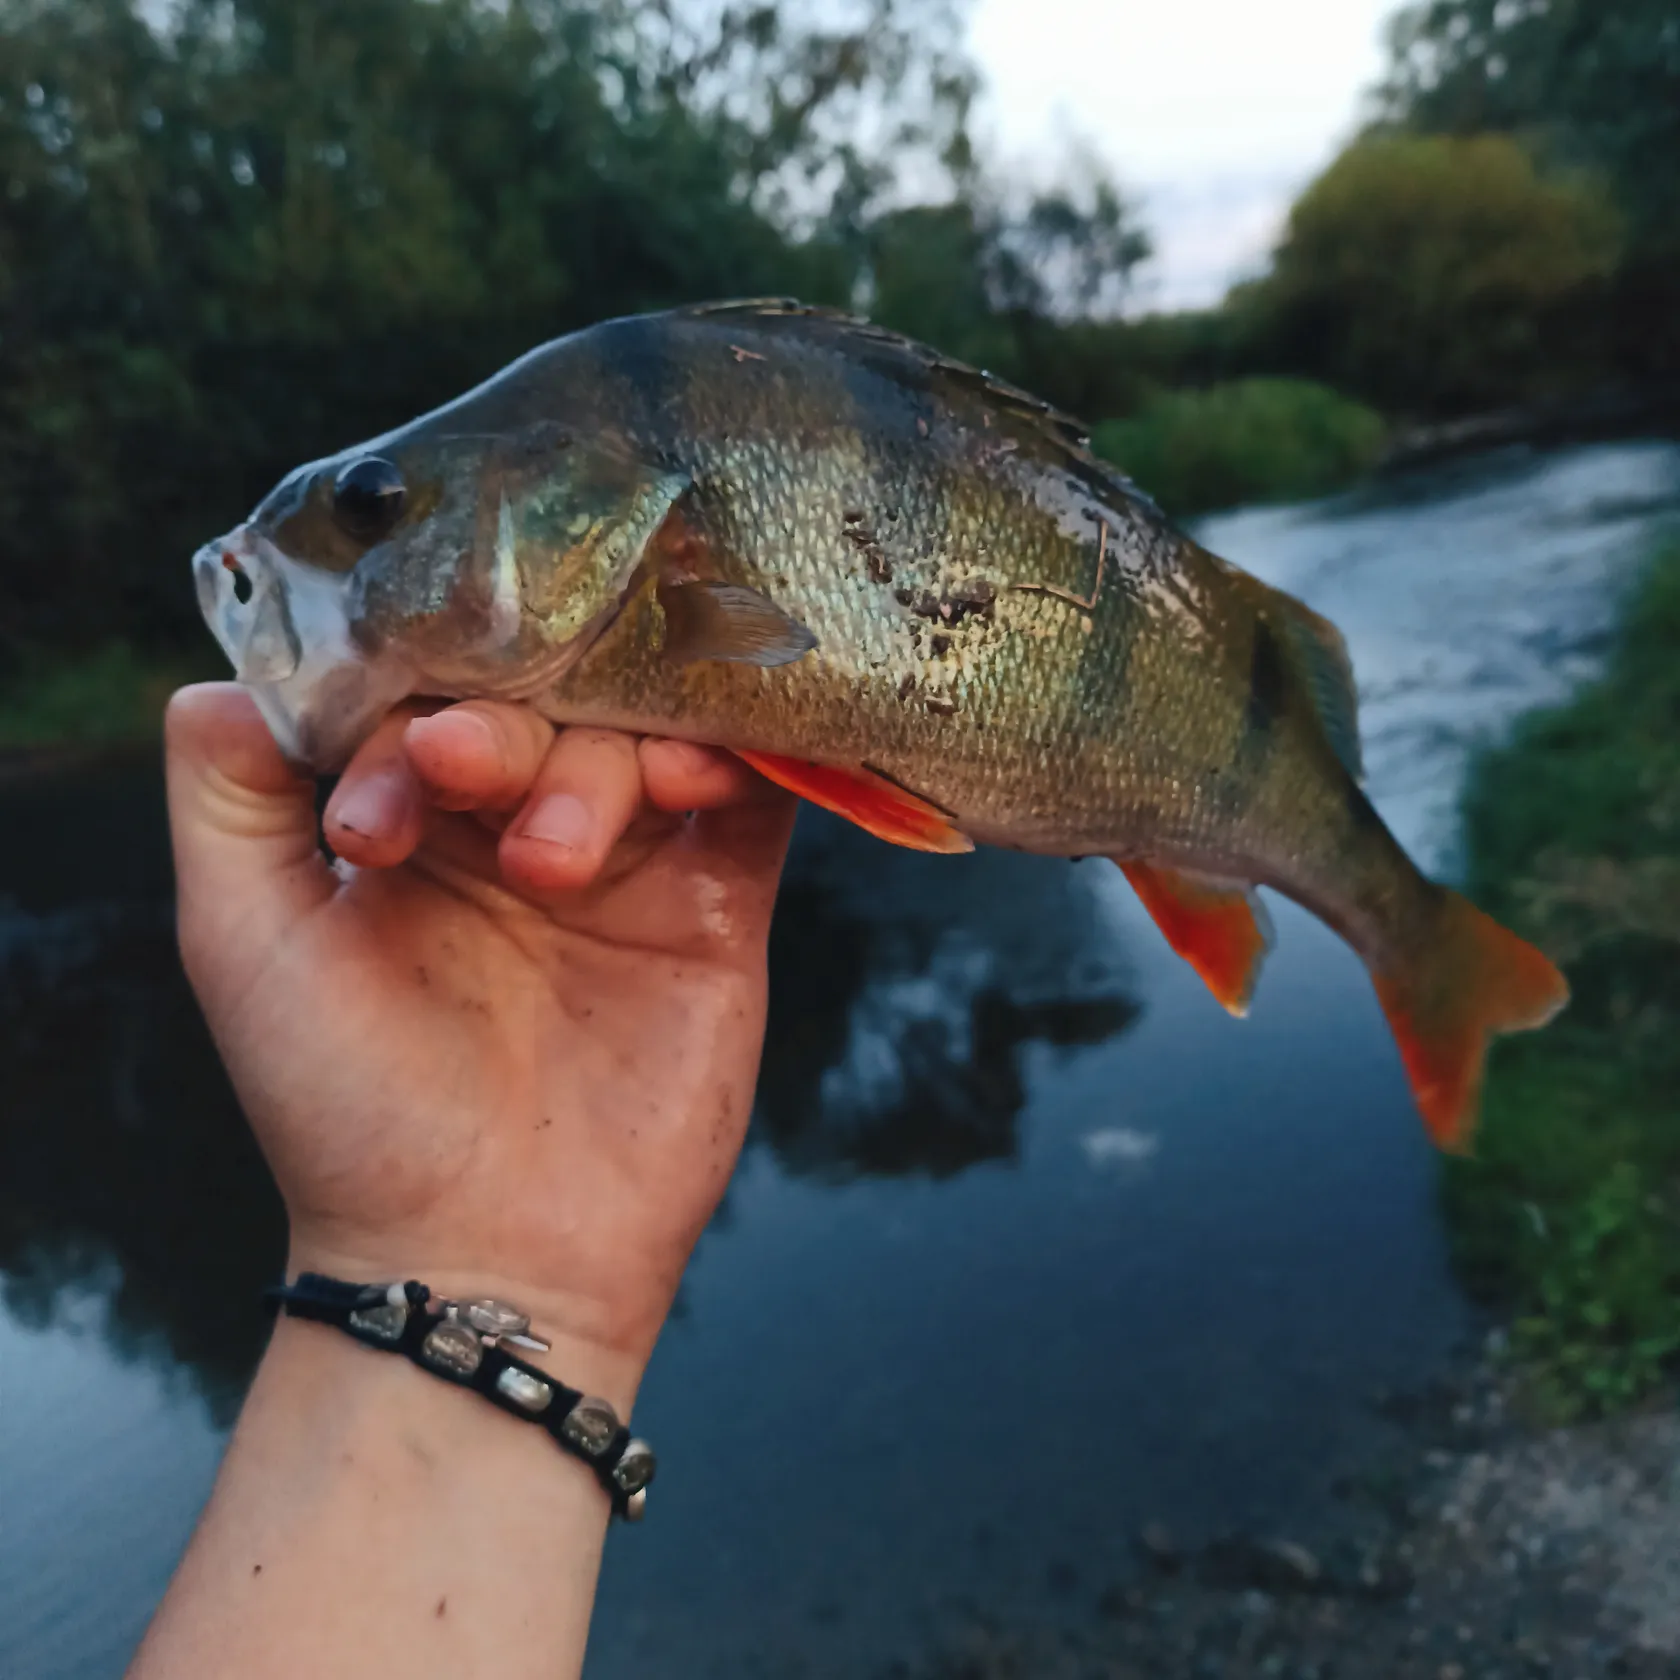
{"x":462,"y":1342}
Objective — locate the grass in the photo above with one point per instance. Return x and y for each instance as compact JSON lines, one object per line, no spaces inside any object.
{"x":110,"y":696}
{"x":1570,"y":1213}
{"x":1256,"y":440}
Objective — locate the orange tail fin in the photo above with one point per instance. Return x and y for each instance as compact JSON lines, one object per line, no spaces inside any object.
{"x":1218,"y":927}
{"x":1475,"y":979}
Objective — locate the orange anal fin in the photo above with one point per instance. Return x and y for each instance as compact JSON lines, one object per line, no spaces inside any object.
{"x":877,"y":806}
{"x":1219,"y":928}
{"x":1475,"y":979}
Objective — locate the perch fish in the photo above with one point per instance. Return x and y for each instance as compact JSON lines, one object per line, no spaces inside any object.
{"x":896,"y":585}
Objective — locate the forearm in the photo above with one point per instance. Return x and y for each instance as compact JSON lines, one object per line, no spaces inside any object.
{"x":509,"y":1059}
{"x":371,"y":1518}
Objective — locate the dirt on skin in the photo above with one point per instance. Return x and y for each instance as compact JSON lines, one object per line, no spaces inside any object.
{"x":1493,"y":1551}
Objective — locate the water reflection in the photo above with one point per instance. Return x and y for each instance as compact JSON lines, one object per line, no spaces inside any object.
{"x":126,"y":1169}
{"x":906,"y":991}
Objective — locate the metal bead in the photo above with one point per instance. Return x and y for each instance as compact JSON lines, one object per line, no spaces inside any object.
{"x":382,"y":1324}
{"x":452,"y":1349}
{"x":525,"y":1390}
{"x":635,"y":1469}
{"x":496,"y":1318}
{"x":635,"y":1507}
{"x":590,"y":1425}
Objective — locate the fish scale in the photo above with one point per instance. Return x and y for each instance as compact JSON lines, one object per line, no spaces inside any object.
{"x":898,"y":585}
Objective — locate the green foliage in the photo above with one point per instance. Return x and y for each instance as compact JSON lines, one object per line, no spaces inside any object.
{"x":1590,"y":84}
{"x":1256,"y":440}
{"x":993,"y":289}
{"x":110,"y":696}
{"x":1596,"y":81}
{"x":1571,"y":1210}
{"x":1432,"y":275}
{"x":244,"y":237}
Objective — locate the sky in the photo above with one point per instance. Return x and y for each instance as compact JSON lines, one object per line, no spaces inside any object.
{"x":1212,"y":113}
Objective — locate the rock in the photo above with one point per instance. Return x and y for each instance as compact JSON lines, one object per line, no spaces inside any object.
{"x":1120,"y":1603}
{"x":1386,"y":1578}
{"x":1061,"y":1576}
{"x":1293,"y":1564}
{"x":1156,"y":1543}
{"x":1237,"y":1563}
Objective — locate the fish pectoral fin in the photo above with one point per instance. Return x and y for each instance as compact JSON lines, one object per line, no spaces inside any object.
{"x":878,"y":806}
{"x":726,"y":621}
{"x":1219,"y":927}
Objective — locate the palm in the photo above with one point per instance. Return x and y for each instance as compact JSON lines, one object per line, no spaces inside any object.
{"x":448,"y":1073}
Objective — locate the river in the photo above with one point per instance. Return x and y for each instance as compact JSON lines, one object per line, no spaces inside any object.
{"x":1031,"y":1243}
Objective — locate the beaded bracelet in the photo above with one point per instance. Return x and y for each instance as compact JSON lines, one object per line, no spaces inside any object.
{"x":465,"y":1342}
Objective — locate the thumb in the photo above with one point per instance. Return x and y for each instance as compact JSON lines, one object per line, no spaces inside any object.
{"x":247,"y":864}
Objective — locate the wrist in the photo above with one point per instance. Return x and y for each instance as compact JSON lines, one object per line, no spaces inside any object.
{"x":369,"y":1519}
{"x":582,"y":1352}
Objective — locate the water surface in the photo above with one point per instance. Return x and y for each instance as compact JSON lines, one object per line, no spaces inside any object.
{"x":1031,"y":1242}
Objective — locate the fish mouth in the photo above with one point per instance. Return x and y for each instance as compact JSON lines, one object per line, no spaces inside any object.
{"x":286,"y":628}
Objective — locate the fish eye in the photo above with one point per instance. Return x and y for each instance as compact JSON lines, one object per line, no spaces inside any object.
{"x":368,"y":498}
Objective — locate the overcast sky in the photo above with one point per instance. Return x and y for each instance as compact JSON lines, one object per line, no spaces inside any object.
{"x":1212,"y":112}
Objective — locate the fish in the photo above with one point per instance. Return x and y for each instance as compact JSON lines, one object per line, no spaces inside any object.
{"x":900,"y":587}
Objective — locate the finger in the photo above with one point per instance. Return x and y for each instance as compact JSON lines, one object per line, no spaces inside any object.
{"x":745,"y":845}
{"x":242,"y":823}
{"x":587,"y":792}
{"x":376,"y":813}
{"x":479,"y":755}
{"x":681,"y":776}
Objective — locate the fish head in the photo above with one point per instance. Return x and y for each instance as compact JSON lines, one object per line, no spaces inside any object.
{"x":449,"y":559}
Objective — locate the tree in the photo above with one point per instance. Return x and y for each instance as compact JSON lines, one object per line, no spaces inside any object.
{"x":1595,"y":82}
{"x":258,"y":229}
{"x":1585,"y":83}
{"x":1432,"y":275}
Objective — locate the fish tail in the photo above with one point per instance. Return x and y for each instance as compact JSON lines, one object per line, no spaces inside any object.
{"x":1468,"y":979}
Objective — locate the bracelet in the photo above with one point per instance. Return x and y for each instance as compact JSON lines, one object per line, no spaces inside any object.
{"x":464,"y":1343}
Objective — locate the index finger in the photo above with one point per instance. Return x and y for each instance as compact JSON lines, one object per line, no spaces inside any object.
{"x":479,"y":755}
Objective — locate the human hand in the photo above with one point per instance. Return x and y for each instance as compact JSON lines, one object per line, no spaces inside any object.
{"x":500,"y":1062}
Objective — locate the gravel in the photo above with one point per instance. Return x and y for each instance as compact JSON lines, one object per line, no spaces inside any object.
{"x":1493,"y":1550}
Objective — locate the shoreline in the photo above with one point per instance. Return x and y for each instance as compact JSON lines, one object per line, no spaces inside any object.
{"x":1610,"y":415}
{"x":1487,"y":1548}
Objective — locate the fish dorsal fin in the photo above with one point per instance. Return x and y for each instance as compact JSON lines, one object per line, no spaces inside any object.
{"x":1219,"y":927}
{"x":878,"y":806}
{"x":896,"y":353}
{"x":1314,"y":647}
{"x":726,"y":621}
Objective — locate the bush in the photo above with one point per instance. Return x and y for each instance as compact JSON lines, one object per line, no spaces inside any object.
{"x":1570,"y":1214}
{"x":110,"y":696}
{"x":1433,"y":275}
{"x":1257,"y":440}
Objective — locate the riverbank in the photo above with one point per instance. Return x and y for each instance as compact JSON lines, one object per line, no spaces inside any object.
{"x":1481,"y":1550}
{"x":1568,"y":1217}
{"x":1598,"y":417}
{"x":1492,"y":1543}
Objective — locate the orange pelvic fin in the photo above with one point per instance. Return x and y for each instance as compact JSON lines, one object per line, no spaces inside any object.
{"x":1219,"y":927}
{"x":1478,"y":979}
{"x":878,"y":806}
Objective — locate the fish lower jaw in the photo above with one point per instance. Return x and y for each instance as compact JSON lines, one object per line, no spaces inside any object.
{"x":319,"y":721}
